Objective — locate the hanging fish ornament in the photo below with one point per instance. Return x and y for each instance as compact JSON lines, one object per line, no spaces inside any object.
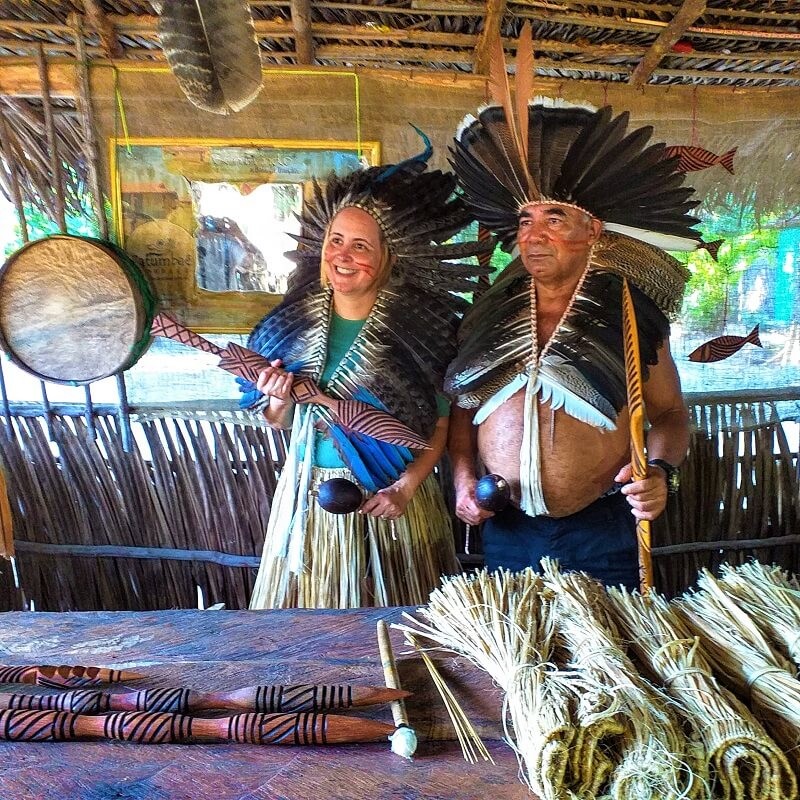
{"x":712,"y":248}
{"x":693,"y":159}
{"x":723,"y":347}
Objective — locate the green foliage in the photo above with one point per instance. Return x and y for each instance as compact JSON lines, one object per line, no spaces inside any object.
{"x":713,"y":286}
{"x":40,"y":225}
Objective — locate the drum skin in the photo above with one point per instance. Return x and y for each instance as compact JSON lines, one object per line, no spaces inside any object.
{"x":73,"y":309}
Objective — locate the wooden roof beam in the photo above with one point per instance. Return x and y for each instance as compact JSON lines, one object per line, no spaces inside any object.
{"x":495,"y":9}
{"x":689,"y":12}
{"x":301,"y":21}
{"x":105,"y":30}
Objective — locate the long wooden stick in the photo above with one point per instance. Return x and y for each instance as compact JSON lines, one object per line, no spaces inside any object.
{"x":84,"y":103}
{"x":633,"y":378}
{"x":404,"y":739}
{"x":52,"y":141}
{"x":353,"y":414}
{"x":143,"y":727}
{"x":262,"y":699}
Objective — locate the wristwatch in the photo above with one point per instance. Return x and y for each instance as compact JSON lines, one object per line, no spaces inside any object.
{"x":672,"y":472}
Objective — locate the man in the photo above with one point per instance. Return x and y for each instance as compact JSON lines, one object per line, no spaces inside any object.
{"x":541,"y":354}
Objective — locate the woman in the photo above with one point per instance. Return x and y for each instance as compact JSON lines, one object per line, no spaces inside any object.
{"x":371,"y":317}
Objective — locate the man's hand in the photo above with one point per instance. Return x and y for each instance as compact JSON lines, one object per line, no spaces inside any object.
{"x":467,"y":508}
{"x":648,"y":497}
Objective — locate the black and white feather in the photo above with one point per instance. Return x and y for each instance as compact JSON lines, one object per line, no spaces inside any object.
{"x":579,"y":156}
{"x":212,"y":50}
{"x":583,"y":366}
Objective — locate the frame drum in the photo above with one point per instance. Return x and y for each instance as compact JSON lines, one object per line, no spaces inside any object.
{"x":73,"y":309}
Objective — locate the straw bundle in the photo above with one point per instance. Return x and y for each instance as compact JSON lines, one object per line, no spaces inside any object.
{"x":771,"y":598}
{"x":652,"y":759}
{"x":743,"y":761}
{"x":744,"y":659}
{"x":500,"y":621}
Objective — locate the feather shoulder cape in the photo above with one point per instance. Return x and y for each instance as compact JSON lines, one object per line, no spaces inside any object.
{"x":582,"y":367}
{"x":398,"y":360}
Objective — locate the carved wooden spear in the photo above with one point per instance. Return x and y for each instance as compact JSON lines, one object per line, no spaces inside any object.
{"x":633,"y":378}
{"x":143,"y":727}
{"x":353,"y":414}
{"x":263,"y":699}
{"x":65,"y":675}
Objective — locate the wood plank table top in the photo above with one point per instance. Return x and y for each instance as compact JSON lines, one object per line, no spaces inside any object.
{"x":223,"y":650}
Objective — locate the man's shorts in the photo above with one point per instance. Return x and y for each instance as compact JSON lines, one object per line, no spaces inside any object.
{"x":600,"y":539}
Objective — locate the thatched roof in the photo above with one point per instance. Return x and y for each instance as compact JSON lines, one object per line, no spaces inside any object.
{"x":699,"y":59}
{"x":746,"y":44}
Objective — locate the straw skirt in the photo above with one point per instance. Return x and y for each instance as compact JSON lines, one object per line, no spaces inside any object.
{"x":355,"y":560}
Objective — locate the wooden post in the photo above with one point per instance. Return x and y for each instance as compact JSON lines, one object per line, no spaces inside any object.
{"x":50,"y":128}
{"x":84,"y":100}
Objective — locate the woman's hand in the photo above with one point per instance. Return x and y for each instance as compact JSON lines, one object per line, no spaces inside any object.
{"x":389,"y":503}
{"x":276,"y":383}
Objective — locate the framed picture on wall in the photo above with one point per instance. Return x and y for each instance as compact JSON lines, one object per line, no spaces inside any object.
{"x":209,"y":221}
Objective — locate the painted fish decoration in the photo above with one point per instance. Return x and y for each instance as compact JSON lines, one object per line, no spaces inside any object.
{"x":693,"y":159}
{"x":723,"y":347}
{"x":712,"y":248}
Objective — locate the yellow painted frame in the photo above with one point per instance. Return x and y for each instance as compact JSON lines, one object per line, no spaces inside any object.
{"x":221,"y":312}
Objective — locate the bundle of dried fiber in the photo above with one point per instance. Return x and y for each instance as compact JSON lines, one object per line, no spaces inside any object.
{"x":653,"y":759}
{"x":771,"y":598}
{"x":500,"y":621}
{"x":744,"y":763}
{"x":743,"y":658}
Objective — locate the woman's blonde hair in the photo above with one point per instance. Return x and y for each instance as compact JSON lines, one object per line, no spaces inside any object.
{"x":387,"y":259}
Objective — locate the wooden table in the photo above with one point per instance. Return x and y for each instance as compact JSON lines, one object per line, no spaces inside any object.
{"x":208,"y":650}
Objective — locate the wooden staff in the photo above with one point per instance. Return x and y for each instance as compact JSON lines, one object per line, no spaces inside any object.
{"x":633,"y":378}
{"x":352,"y":414}
{"x":404,"y":738}
{"x":262,"y":699}
{"x":143,"y":727}
{"x":65,"y":675}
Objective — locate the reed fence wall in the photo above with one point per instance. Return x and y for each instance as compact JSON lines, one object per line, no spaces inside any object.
{"x":178,"y":518}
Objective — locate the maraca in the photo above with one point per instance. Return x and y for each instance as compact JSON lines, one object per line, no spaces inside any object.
{"x":339,"y":496}
{"x":492,"y":492}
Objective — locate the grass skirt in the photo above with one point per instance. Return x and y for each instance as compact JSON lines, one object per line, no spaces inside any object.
{"x":355,"y":560}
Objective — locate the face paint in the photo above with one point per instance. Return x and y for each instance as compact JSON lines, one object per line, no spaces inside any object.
{"x":555,"y":241}
{"x":353,"y":253}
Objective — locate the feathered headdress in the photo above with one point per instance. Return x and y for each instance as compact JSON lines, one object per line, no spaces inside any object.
{"x":416,"y":212}
{"x":519,"y":153}
{"x":398,"y":361}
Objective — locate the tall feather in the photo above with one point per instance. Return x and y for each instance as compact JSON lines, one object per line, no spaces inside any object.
{"x":500,"y":89}
{"x":212,"y":50}
{"x":636,"y":411}
{"x":524,"y":84}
